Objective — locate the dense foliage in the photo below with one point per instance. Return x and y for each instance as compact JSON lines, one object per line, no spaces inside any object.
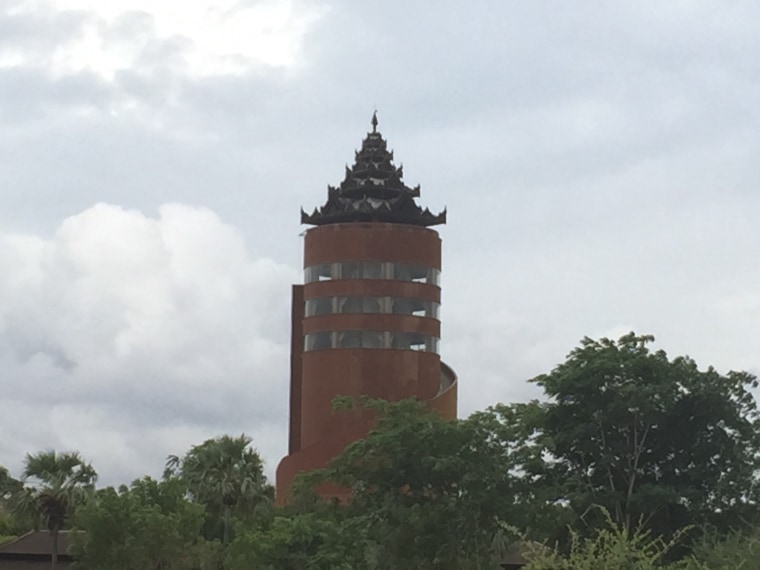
{"x":149,"y":524}
{"x":631,"y":461}
{"x":426,"y":493}
{"x":225,"y":475}
{"x":53,"y":485}
{"x":652,"y":440}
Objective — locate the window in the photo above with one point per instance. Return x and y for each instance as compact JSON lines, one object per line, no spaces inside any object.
{"x":350,"y":305}
{"x":350,"y":339}
{"x":417,"y":308}
{"x":372,"y":270}
{"x":372,"y":305}
{"x":321,"y":272}
{"x":371,"y":339}
{"x":401,"y":306}
{"x":369,"y":305}
{"x":350,"y":270}
{"x":318,"y":341}
{"x":319,"y":306}
{"x":414,"y":341}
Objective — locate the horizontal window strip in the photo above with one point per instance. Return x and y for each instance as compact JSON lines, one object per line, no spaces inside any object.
{"x":372,"y":270}
{"x":340,"y":305}
{"x":371,"y":339}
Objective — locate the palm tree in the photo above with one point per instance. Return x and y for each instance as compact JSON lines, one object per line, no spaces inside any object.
{"x":224,"y":474}
{"x":54,"y":484}
{"x":7,"y":484}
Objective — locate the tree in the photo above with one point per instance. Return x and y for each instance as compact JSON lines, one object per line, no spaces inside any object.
{"x":5,"y":492}
{"x":149,"y":524}
{"x":226,"y":475}
{"x":54,"y":485}
{"x":5,"y":479}
{"x":6,"y":524}
{"x":11,"y":525}
{"x":653,"y":440}
{"x":425,"y":492}
{"x":320,"y":538}
{"x":8,"y":487}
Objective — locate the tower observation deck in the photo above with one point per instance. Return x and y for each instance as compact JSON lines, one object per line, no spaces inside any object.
{"x":366,"y":320}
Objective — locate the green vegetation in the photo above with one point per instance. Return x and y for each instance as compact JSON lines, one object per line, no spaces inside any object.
{"x":149,"y":524}
{"x":656,"y":442}
{"x":613,"y":546}
{"x":52,"y":486}
{"x":226,"y":476}
{"x":632,"y":461}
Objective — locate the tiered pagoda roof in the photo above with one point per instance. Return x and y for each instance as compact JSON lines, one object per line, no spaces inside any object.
{"x":373,"y":191}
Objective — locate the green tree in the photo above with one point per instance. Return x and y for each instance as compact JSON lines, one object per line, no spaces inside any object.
{"x":653,"y":440}
{"x":5,"y":482}
{"x":149,"y":524}
{"x":54,"y":485}
{"x":6,"y":525}
{"x":11,"y":524}
{"x":226,"y":475}
{"x":425,"y":492}
{"x":319,"y":538}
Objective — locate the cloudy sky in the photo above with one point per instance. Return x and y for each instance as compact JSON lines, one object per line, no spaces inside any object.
{"x":599,"y":162}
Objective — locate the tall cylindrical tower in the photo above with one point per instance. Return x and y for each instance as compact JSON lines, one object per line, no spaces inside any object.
{"x":366,"y":319}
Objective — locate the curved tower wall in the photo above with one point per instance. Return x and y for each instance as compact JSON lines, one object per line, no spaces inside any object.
{"x":389,"y":353}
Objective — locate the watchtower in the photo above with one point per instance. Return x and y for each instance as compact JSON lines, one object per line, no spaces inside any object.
{"x":366,"y":320}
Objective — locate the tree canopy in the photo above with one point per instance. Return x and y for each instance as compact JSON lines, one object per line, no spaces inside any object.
{"x":648,"y":438}
{"x":149,"y":524}
{"x":53,"y":486}
{"x":426,"y":492}
{"x":631,"y":460}
{"x":226,"y":475}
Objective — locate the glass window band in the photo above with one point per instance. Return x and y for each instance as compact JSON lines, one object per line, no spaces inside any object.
{"x":340,"y":305}
{"x":371,"y":339}
{"x":372,"y":270}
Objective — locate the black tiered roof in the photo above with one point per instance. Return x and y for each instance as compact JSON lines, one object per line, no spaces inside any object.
{"x":373,"y":191}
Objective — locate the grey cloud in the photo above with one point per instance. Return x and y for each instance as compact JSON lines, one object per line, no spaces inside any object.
{"x":167,"y":323}
{"x":38,"y":31}
{"x":29,"y":96}
{"x":598,"y":163}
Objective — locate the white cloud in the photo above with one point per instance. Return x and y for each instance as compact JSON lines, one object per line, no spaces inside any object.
{"x":203,"y":38}
{"x":129,"y":337}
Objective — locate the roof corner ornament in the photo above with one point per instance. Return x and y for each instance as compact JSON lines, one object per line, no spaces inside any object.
{"x":374,"y":121}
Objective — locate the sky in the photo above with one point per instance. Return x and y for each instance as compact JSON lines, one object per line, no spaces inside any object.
{"x":598,"y":160}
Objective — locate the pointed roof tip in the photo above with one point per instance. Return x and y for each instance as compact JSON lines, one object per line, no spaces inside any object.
{"x":373,"y":190}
